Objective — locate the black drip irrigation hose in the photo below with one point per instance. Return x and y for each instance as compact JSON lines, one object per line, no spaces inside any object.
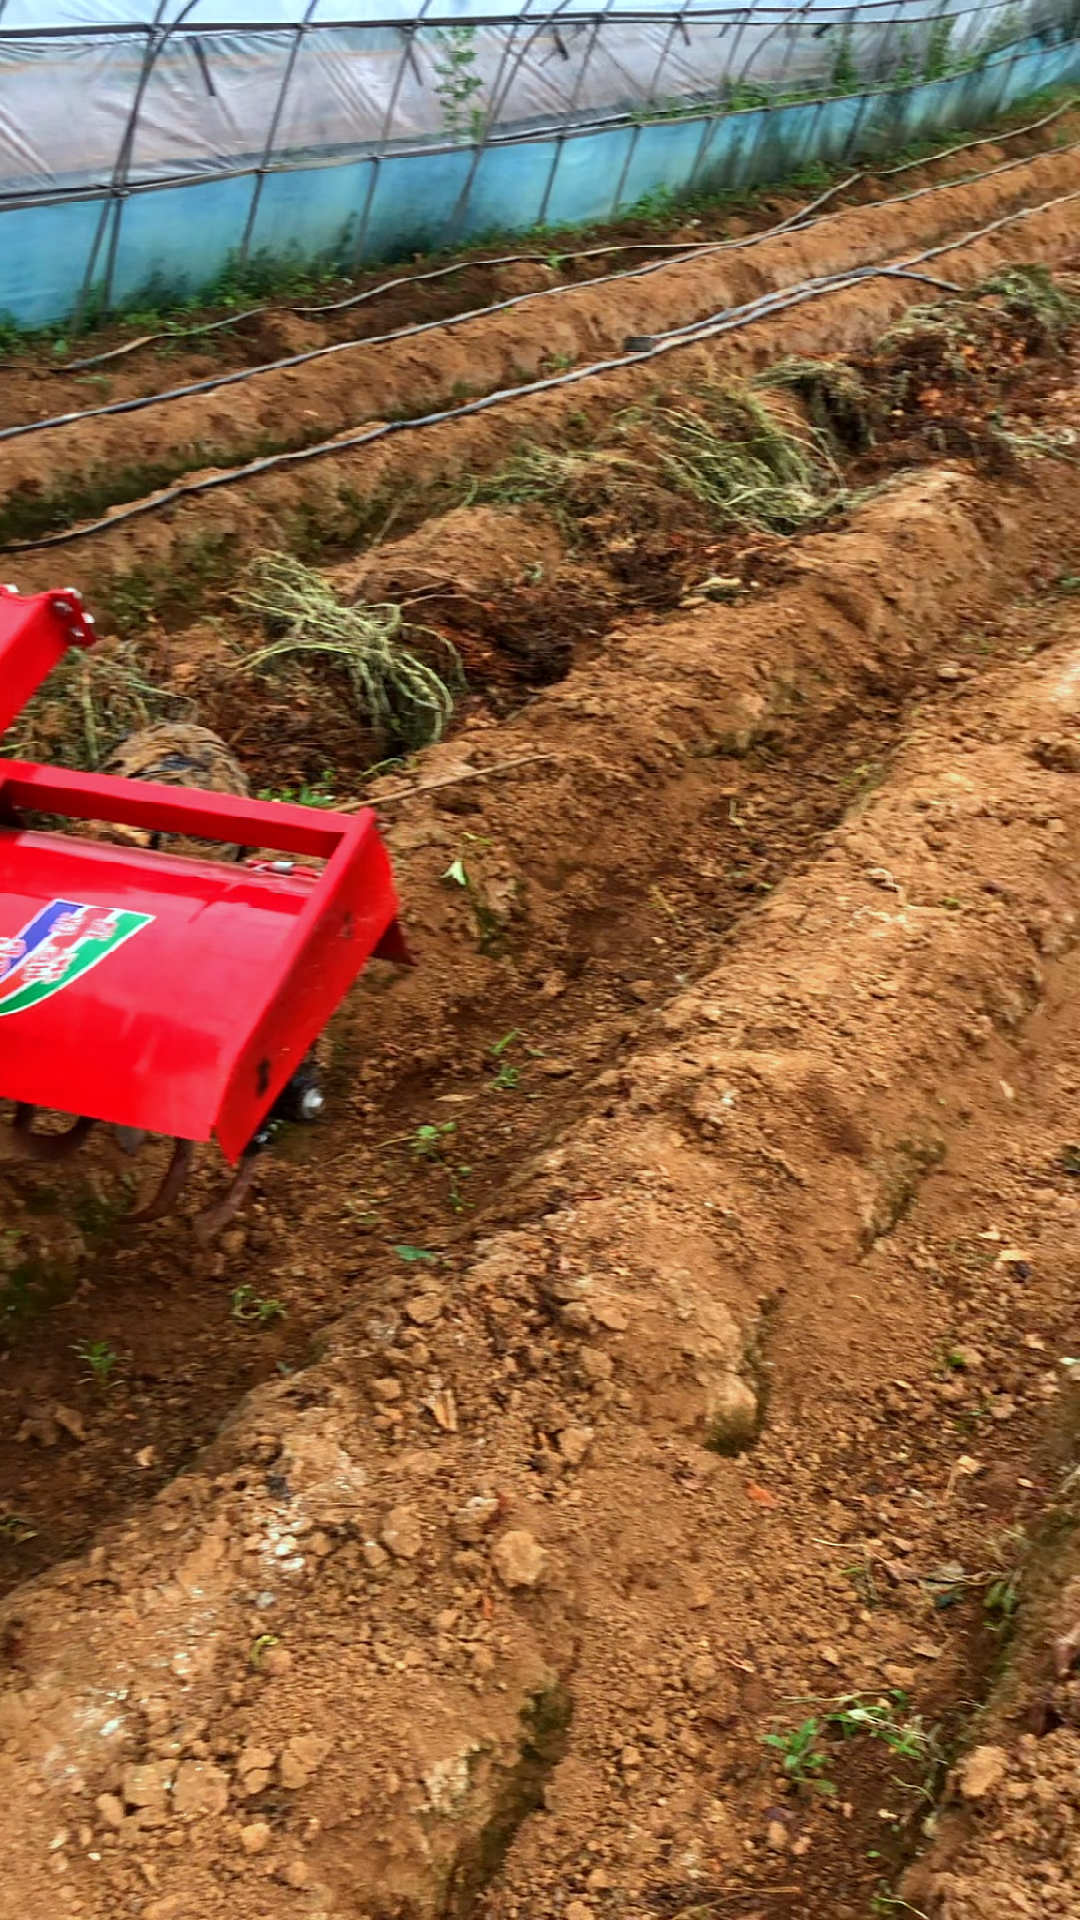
{"x":729,"y":321}
{"x":216,"y":382}
{"x":674,"y":247}
{"x":770,"y":302}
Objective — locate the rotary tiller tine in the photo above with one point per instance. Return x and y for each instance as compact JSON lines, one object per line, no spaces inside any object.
{"x":210,"y":1222}
{"x":171,"y":1187}
{"x":46,"y":1146}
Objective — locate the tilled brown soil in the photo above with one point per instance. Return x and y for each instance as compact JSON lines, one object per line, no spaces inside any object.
{"x":39,"y":385}
{"x":94,"y":463}
{"x":666,"y":1332}
{"x":714,"y":1234}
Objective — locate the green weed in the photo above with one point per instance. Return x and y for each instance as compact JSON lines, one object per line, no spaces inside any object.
{"x":805,"y":1759}
{"x":100,"y":1359}
{"x":458,"y":84}
{"x":320,"y":793}
{"x":246,"y":1304}
{"x":802,"y":1759}
{"x":427,"y":1142}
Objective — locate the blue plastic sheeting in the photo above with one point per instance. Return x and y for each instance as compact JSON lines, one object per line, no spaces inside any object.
{"x":170,"y":242}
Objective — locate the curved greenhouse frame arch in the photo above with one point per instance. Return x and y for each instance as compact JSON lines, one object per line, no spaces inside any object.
{"x":149,"y":146}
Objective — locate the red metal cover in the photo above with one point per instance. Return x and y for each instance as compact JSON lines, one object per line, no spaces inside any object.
{"x":35,"y":634}
{"x":169,"y":993}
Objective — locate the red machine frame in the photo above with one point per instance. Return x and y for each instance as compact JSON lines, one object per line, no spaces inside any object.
{"x":158,"y":991}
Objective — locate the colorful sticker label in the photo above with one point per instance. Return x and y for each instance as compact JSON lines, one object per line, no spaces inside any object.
{"x":57,"y":946}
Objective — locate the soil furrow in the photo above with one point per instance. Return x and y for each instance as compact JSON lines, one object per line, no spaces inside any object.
{"x":274,"y":330}
{"x":260,"y":1733}
{"x":599,"y":1475}
{"x":325,"y":505}
{"x":118,"y":459}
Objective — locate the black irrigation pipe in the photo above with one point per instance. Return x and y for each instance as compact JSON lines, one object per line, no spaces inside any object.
{"x":680,"y":249}
{"x":389,"y":286}
{"x":729,"y":322}
{"x":769,"y":303}
{"x":587,"y":253}
{"x":240,"y":375}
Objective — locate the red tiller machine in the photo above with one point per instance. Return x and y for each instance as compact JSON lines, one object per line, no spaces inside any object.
{"x":156,"y":992}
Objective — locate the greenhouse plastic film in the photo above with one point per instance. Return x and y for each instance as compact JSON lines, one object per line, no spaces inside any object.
{"x":146,"y":148}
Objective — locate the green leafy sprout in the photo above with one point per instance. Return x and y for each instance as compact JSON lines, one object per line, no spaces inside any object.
{"x":100,"y":1361}
{"x":248,"y":1305}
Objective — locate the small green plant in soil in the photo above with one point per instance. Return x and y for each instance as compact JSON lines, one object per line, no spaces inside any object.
{"x":805,"y":1758}
{"x":885,"y":1720}
{"x":320,"y":793}
{"x":427,"y":1142}
{"x":1001,"y":1600}
{"x":16,"y":1530}
{"x":246,"y":1304}
{"x":259,"y":1647}
{"x":802,"y":1759}
{"x":507,"y":1075}
{"x":884,"y":1901}
{"x":100,"y":1360}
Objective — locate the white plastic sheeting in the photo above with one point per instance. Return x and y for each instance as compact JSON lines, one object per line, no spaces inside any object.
{"x":121,"y":93}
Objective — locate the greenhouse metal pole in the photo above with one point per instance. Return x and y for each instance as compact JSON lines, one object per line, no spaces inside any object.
{"x":560,"y":137}
{"x":851,"y":144}
{"x":538,"y":28}
{"x":108,"y":201}
{"x":272,"y":131}
{"x":624,"y":170}
{"x":407,"y":29}
{"x":708,"y":131}
{"x":479,"y":146}
{"x":123,"y":164}
{"x":750,"y":174}
{"x":539,"y":25}
{"x":678,"y":25}
{"x":749,"y":15}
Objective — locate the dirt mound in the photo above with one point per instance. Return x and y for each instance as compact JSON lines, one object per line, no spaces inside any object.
{"x":121,"y":458}
{"x":473,"y":550}
{"x":602,"y":1468}
{"x":453,"y":1495}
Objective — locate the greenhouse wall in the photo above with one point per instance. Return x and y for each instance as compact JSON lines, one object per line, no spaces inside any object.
{"x":147,"y":151}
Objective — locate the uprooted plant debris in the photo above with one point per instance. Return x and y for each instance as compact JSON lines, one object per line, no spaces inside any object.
{"x":692,"y":495}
